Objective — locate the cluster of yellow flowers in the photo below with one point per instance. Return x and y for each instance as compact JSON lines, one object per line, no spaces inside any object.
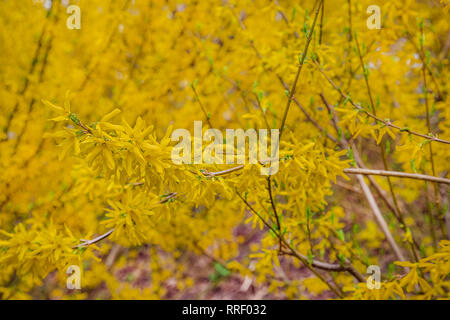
{"x":86,"y":170}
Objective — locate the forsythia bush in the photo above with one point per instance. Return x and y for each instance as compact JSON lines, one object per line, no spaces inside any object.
{"x":87,"y":179}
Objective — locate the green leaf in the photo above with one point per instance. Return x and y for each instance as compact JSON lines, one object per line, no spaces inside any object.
{"x":260,"y":95}
{"x":194,"y":84}
{"x":428,"y":57}
{"x":74,"y":118}
{"x":420,"y":23}
{"x":293,"y":13}
{"x":346,"y":100}
{"x":351,"y":157}
{"x":305,"y":29}
{"x":404,"y":129}
{"x":391,"y":269}
{"x":341,"y":234}
{"x":310,"y":256}
{"x":221,"y":270}
{"x":413,"y":165}
{"x":308,"y":213}
{"x":332,"y":218}
{"x":433,"y":109}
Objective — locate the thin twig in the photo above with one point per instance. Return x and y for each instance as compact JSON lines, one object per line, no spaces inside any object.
{"x":430,"y":147}
{"x":386,"y":173}
{"x":32,"y":67}
{"x":321,"y":22}
{"x":207,"y":116}
{"x":363,"y":171}
{"x":301,"y":257}
{"x":379,"y":217}
{"x":269,"y":188}
{"x":397,"y":212}
{"x":385,"y":122}
{"x":345,"y":144}
{"x":283,"y":83}
{"x":223,"y":172}
{"x":299,"y":70}
{"x":85,"y":242}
